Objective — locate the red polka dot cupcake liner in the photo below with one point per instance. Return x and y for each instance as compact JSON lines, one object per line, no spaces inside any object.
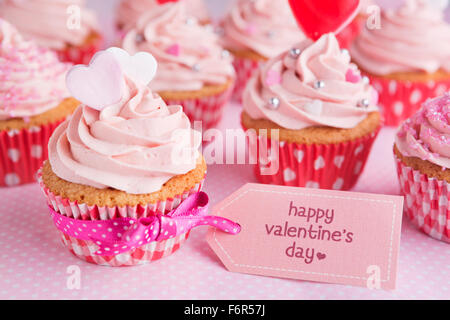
{"x":426,"y":201}
{"x":22,"y":153}
{"x":350,"y":32}
{"x":328,"y":166}
{"x":82,"y":54}
{"x":245,"y":69}
{"x":399,"y":100}
{"x":85,"y":250}
{"x":209,"y":109}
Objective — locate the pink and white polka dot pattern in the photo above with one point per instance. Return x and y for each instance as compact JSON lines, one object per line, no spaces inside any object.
{"x":22,"y":153}
{"x":334,"y":166}
{"x":36,"y":267}
{"x":245,"y":69}
{"x":399,"y":100}
{"x":426,"y":201}
{"x":208,"y":109}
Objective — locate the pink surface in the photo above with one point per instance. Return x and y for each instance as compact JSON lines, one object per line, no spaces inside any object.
{"x":33,"y":261}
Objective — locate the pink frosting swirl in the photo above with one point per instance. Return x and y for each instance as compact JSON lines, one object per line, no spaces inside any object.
{"x":426,"y":135}
{"x":265,"y":26}
{"x":45,"y":21}
{"x":188,"y":54}
{"x":129,"y":11}
{"x":135,"y":145}
{"x":414,"y":37}
{"x":317,"y":87}
{"x":31,"y":78}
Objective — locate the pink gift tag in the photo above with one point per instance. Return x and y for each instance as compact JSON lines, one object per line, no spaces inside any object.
{"x":309,"y":234}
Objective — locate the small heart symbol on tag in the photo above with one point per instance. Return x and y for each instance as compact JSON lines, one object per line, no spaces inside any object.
{"x":318,"y":17}
{"x":321,"y":255}
{"x":98,"y":85}
{"x":141,"y":67}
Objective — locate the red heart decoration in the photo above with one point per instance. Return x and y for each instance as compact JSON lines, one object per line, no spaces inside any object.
{"x":318,"y":17}
{"x":165,"y":1}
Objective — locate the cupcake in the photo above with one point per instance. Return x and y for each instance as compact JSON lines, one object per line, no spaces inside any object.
{"x":194,"y":70}
{"x":33,"y":102}
{"x":129,"y":11}
{"x":407,"y":59}
{"x":422,"y":153}
{"x":255,"y":31}
{"x":67,"y":27}
{"x":125,"y":154}
{"x":310,"y":117}
{"x":350,"y":32}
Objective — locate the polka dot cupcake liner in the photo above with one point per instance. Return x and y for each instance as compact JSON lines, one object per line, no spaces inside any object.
{"x":85,"y":250}
{"x":82,"y":54}
{"x":22,"y":153}
{"x":426,"y":201}
{"x":332,"y":166}
{"x":399,"y":100}
{"x":209,"y":109}
{"x":245,"y":69}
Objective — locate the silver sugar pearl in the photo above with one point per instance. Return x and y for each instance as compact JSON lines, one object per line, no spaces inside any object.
{"x":319,"y":84}
{"x":140,"y":38}
{"x":365,"y":80}
{"x":295,"y":53}
{"x":274,"y":103}
{"x":364,"y":103}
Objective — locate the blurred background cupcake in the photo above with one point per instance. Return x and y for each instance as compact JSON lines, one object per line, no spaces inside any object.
{"x":422,"y":152}
{"x":33,"y":102}
{"x":325,"y":114}
{"x":128,"y":156}
{"x":407,"y":58}
{"x":128,"y":11}
{"x":193,"y":69}
{"x":67,"y":27}
{"x":255,"y":31}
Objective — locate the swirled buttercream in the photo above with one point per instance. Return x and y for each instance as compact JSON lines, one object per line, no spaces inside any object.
{"x":315,"y":85}
{"x":188,"y":54}
{"x":130,"y":10}
{"x":135,"y":145}
{"x":31,"y":78}
{"x":426,"y":135}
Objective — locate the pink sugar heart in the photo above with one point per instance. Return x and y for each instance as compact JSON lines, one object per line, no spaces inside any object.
{"x":174,"y":50}
{"x":352,"y":76}
{"x":98,"y":85}
{"x":141,"y":67}
{"x":273,"y":78}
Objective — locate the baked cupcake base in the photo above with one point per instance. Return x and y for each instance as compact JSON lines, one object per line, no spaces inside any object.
{"x":426,"y":188}
{"x":205,"y":105}
{"x":87,"y":203}
{"x":23,"y":144}
{"x":402,"y":94}
{"x":315,"y":157}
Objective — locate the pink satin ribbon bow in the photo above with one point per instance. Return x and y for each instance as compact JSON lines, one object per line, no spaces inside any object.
{"x":116,"y":236}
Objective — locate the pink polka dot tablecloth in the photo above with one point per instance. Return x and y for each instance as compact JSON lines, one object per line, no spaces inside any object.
{"x":35,"y":265}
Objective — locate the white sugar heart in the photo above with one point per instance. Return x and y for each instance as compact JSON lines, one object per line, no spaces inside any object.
{"x":314,"y":108}
{"x":98,"y":85}
{"x":141,"y":67}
